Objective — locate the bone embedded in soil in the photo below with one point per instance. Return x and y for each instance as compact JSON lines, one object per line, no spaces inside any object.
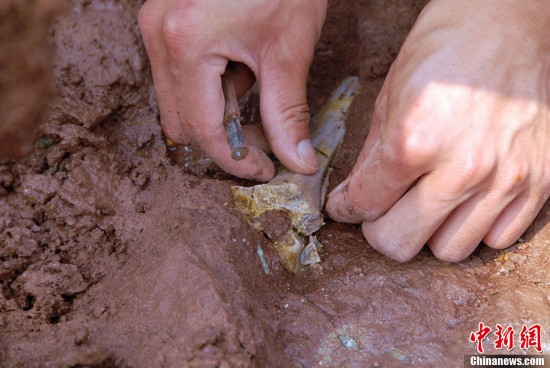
{"x":288,"y":208}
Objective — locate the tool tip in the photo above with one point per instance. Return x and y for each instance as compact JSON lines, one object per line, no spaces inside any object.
{"x":239,"y":153}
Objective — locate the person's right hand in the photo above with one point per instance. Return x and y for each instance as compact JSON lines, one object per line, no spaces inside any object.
{"x":459,"y":147}
{"x":189,"y":44}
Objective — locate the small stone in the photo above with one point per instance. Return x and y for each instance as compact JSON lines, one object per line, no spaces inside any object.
{"x":348,"y":342}
{"x":357,"y":270}
{"x":523,"y":246}
{"x":309,"y":255}
{"x":39,"y":189}
{"x":44,"y":141}
{"x":313,"y":240}
{"x":81,"y":336}
{"x":507,"y":266}
{"x":346,"y":280}
{"x":316,"y":271}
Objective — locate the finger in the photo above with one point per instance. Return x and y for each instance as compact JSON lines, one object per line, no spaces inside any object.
{"x":202,"y":107}
{"x":408,"y":225}
{"x":197,"y":73}
{"x":150,"y":21}
{"x":373,"y":138}
{"x":385,"y":170}
{"x":285,"y":115}
{"x":254,"y":135}
{"x":339,"y":207}
{"x":514,"y":220}
{"x":465,"y":228}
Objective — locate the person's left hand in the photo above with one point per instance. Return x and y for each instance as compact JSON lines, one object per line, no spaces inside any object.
{"x":190,"y":44}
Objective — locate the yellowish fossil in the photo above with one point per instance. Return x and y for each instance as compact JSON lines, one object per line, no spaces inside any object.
{"x":288,"y":208}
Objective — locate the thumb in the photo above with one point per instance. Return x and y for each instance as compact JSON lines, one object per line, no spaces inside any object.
{"x":285,"y":115}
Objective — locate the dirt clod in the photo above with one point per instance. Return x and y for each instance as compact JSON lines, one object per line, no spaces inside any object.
{"x":277,"y":225}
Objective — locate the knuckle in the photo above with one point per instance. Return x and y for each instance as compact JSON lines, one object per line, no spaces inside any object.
{"x":412,"y":150}
{"x":296,"y":114}
{"x":476,"y":167}
{"x":179,"y":33}
{"x":173,"y":33}
{"x":292,"y":114}
{"x":471,"y":170}
{"x":448,"y":254}
{"x":403,"y":256}
{"x":148,"y":20}
{"x":499,"y":242}
{"x":514,"y":178}
{"x":390,"y":245}
{"x":205,"y":135}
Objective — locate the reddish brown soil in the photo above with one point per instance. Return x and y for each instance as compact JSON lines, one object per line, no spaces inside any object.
{"x":111,"y":255}
{"x":25,"y":57}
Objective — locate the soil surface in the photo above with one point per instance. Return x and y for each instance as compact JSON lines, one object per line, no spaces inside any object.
{"x":25,"y":57}
{"x":113,"y":255}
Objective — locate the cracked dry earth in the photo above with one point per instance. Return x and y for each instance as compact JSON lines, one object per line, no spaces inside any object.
{"x":113,"y":255}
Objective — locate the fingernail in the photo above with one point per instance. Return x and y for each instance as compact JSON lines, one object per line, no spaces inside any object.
{"x":307,"y":154}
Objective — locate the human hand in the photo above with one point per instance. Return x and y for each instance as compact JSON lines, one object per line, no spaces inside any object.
{"x":189,"y":44}
{"x":459,"y":147}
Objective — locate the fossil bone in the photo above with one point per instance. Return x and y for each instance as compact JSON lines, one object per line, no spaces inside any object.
{"x":288,"y":208}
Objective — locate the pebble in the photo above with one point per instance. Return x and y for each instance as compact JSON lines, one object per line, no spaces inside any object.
{"x":309,"y":255}
{"x":81,"y":336}
{"x":346,"y":280}
{"x":508,"y":266}
{"x":348,"y":342}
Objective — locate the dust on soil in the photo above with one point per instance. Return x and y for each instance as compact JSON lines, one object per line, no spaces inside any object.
{"x":113,"y":256}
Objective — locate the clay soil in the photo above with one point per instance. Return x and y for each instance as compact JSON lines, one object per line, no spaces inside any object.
{"x":113,"y":255}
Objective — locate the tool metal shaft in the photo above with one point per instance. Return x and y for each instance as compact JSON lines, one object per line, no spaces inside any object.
{"x":232,"y":119}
